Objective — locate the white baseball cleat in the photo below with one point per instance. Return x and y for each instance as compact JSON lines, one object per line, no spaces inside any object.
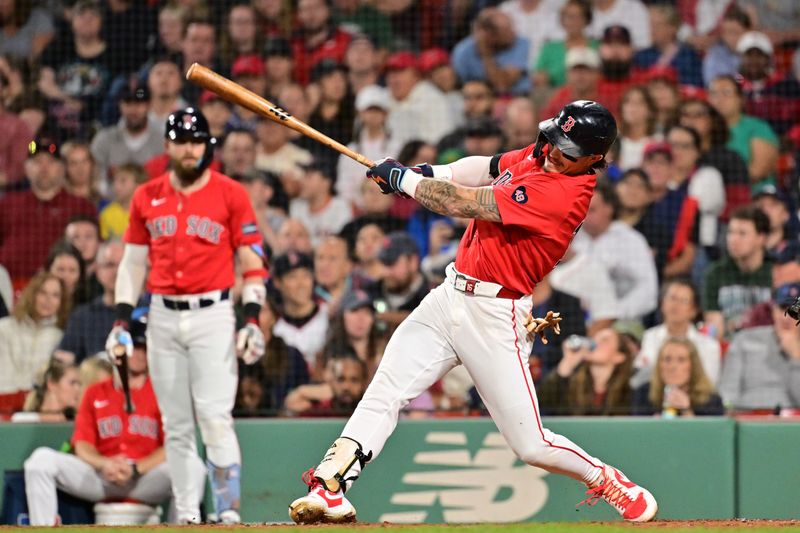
{"x":633,"y":502}
{"x":230,"y":517}
{"x":321,"y":506}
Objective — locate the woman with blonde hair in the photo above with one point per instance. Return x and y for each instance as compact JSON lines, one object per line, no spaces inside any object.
{"x":679,"y":386}
{"x":54,"y":397}
{"x":29,"y":336}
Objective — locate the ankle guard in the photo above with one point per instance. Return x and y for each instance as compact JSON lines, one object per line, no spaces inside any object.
{"x":225,"y":486}
{"x":342,"y":455}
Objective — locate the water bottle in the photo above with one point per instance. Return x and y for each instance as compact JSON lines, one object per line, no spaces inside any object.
{"x":667,"y":410}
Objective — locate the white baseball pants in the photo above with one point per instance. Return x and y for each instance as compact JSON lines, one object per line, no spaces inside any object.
{"x":193,"y":369}
{"x":486,"y":335}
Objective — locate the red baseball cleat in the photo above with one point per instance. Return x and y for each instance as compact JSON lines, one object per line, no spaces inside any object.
{"x":633,"y":502}
{"x":321,"y":505}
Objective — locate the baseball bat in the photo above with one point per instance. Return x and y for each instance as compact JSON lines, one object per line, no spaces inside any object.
{"x":122,"y":371}
{"x":236,"y":94}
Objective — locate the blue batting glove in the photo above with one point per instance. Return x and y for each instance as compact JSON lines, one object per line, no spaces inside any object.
{"x":388,"y":174}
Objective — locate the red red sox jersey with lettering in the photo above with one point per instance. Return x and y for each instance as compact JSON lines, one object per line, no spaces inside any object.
{"x":541,"y":212}
{"x":102,"y":421}
{"x":192,"y":237}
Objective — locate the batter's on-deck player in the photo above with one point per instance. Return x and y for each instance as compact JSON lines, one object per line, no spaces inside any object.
{"x":526,"y":205}
{"x":191,"y":223}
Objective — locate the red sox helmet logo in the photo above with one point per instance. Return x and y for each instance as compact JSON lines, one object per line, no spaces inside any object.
{"x":567,"y":125}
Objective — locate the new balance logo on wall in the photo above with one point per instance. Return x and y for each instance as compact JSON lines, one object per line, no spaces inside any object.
{"x":489,"y":486}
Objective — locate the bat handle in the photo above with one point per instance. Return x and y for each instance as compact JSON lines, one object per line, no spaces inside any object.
{"x":120,"y":352}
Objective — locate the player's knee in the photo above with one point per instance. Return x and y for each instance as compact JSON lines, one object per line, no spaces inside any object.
{"x":217,"y":431}
{"x":534,"y":453}
{"x":42,"y":460}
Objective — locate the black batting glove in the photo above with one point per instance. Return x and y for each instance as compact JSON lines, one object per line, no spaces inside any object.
{"x":388,"y":174}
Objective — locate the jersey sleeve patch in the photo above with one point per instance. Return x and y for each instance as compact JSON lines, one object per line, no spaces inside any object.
{"x":249,"y":228}
{"x":520,"y":195}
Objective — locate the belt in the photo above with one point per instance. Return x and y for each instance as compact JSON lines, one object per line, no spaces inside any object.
{"x":194,"y":303}
{"x":483,"y":288}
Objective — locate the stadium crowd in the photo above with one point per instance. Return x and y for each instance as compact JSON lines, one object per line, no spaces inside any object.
{"x":673,"y":292}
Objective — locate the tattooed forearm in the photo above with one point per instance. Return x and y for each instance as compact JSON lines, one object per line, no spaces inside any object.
{"x":448,"y":198}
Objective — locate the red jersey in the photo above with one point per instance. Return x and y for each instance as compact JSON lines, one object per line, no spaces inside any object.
{"x":102,"y":421}
{"x":333,"y":47}
{"x":192,"y":237}
{"x":541,"y":212}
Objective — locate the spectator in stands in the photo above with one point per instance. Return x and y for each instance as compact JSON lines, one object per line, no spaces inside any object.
{"x":536,"y":20}
{"x":418,"y":109}
{"x":264,"y":385}
{"x":128,"y":28}
{"x":741,"y":279}
{"x":31,"y":221}
{"x":762,"y":365}
{"x":94,"y":369}
{"x":274,"y":18}
{"x":778,"y":20}
{"x":27,"y":30}
{"x":550,"y":64}
{"x":14,"y":142}
{"x":637,"y":127}
{"x":238,"y":152}
{"x":83,"y":233}
{"x":622,"y":250}
{"x":32,"y":110}
{"x":769,"y":93}
{"x":66,"y":263}
{"x":89,"y":324}
{"x":785,"y":270}
{"x":372,"y":139}
{"x":356,"y":328}
{"x":704,"y":184}
{"x":361,"y":18}
{"x":80,"y":171}
{"x":752,"y":138}
{"x":494,"y":52}
{"x":29,"y":335}
{"x":783,"y":225}
{"x":199,"y":45}
{"x":443,"y":239}
{"x":368,"y":244}
{"x":519,"y":124}
{"x":667,"y":50}
{"x":275,"y":154}
{"x":164,"y":82}
{"x":316,"y":39}
{"x":332,"y":270}
{"x":632,"y":14}
{"x":680,"y":386}
{"x":55,"y":396}
{"x":635,"y":192}
{"x":134,"y":139}
{"x":114,"y":216}
{"x":241,"y":36}
{"x":278,"y":60}
{"x":302,"y":323}
{"x":363,"y":61}
{"x":171,"y":28}
{"x":435,"y":65}
{"x":335,"y":111}
{"x":248,"y":71}
{"x":680,"y":310}
{"x":76,"y":71}
{"x":591,"y":378}
{"x":321,"y":211}
{"x":722,"y":59}
{"x":293,"y":236}
{"x":701,"y":116}
{"x":478,"y":101}
{"x":263,"y":188}
{"x":218,"y":112}
{"x":662,"y":84}
{"x":346,"y":380}
{"x":6,"y":293}
{"x":616,"y":61}
{"x":373,"y":208}
{"x":583,"y":76}
{"x":127,"y":461}
{"x":403,"y":286}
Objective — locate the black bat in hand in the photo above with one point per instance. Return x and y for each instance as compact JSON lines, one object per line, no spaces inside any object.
{"x":794,"y":310}
{"x":122,"y":369}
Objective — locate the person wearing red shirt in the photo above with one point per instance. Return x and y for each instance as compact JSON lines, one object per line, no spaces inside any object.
{"x":190,"y":224}
{"x":31,"y":221}
{"x":526,"y":205}
{"x":118,"y":456}
{"x":316,"y":39}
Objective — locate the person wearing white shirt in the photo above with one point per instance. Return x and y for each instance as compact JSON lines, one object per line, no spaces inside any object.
{"x":585,"y":279}
{"x":629,"y":13}
{"x":680,"y":308}
{"x":622,"y":250}
{"x":317,"y":207}
{"x":418,"y":110}
{"x":535,"y":20}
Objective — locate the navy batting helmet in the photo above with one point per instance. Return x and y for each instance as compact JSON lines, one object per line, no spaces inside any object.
{"x":581,"y":128}
{"x":190,"y":125}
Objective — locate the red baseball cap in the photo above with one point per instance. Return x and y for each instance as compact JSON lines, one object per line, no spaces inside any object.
{"x":401,"y":60}
{"x":248,"y":65}
{"x":659,"y":147}
{"x":208,"y":96}
{"x":668,"y":74}
{"x":432,"y":58}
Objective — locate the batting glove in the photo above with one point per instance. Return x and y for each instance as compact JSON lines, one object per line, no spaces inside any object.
{"x":250,"y":343}
{"x":388,"y":174}
{"x":119,"y":343}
